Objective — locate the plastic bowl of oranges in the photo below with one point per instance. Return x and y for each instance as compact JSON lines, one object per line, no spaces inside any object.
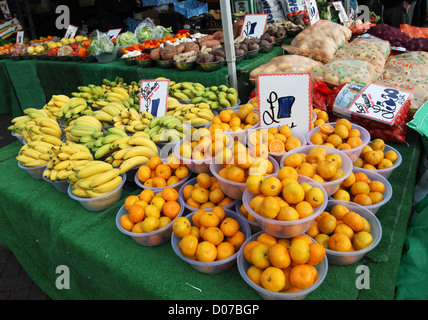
{"x":240,"y":208}
{"x":148,"y":226}
{"x":302,"y":206}
{"x":384,"y":164}
{"x":347,"y":242}
{"x":290,"y":281}
{"x":204,"y":192}
{"x":343,"y":135}
{"x":332,"y":166}
{"x":278,"y":140}
{"x":216,"y":249}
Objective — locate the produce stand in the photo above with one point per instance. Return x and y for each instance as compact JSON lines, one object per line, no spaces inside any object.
{"x":50,"y":229}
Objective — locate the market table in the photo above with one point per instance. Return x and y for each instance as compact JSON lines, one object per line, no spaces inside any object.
{"x":46,"y":229}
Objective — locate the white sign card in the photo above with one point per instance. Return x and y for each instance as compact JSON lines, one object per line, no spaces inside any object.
{"x":343,"y":16}
{"x":71,"y":31}
{"x":285,"y":99}
{"x":113,"y":33}
{"x":379,"y":103}
{"x":154,"y":97}
{"x":311,"y":6}
{"x":254,"y":25}
{"x":20,"y":37}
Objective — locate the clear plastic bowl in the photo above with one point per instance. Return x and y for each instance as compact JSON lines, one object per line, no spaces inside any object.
{"x":253,"y":224}
{"x":107,"y":57}
{"x":387,"y":172}
{"x":193,"y":181}
{"x":100,"y":203}
{"x":176,"y":186}
{"x":373,"y":176}
{"x":235,"y":190}
{"x":276,"y":155}
{"x":240,"y":135}
{"x":345,"y":258}
{"x":354,"y":153}
{"x":60,"y":185}
{"x":330,"y":186}
{"x":20,"y":137}
{"x":149,"y":239}
{"x":243,"y":266}
{"x":214,"y":267}
{"x":34,"y":172}
{"x":286,"y":229}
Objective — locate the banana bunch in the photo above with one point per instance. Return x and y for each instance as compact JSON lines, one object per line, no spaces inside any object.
{"x":64,"y":158}
{"x":75,"y":108}
{"x":94,"y":179}
{"x":37,"y":151}
{"x":195,"y":114}
{"x":91,"y":93}
{"x":132,"y":121}
{"x":55,"y":104}
{"x":218,"y":97}
{"x":108,"y":112}
{"x":83,"y":130}
{"x":103,"y":144}
{"x":19,"y":123}
{"x":167,"y":128}
{"x":132,"y":151}
{"x":185,"y":90}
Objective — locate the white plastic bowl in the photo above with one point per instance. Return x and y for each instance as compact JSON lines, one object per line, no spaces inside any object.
{"x":60,"y":185}
{"x":100,"y":203}
{"x":34,"y":172}
{"x":20,"y":137}
{"x":286,"y":229}
{"x":214,"y":267}
{"x":345,"y":258}
{"x":192,"y":182}
{"x":149,"y":239}
{"x":330,"y":186}
{"x":253,"y":224}
{"x":243,"y":266}
{"x":232,"y":189}
{"x":354,"y":153}
{"x":386,"y":172}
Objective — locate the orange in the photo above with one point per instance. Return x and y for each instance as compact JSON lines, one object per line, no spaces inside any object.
{"x":360,"y":187}
{"x":209,"y":219}
{"x":187,"y":191}
{"x":126,"y":223}
{"x":172,"y":180}
{"x":256,"y":202}
{"x":154,"y":162}
{"x":225,"y":116}
{"x":342,"y":131}
{"x":293,"y":160}
{"x":130,"y":201}
{"x":306,"y":169}
{"x":377,"y":186}
{"x":361,"y":176}
{"x":171,"y":209}
{"x":163,"y":221}
{"x":299,"y":251}
{"x":279,"y":256}
{"x":163,"y":170}
{"x":267,"y":239}
{"x":181,"y":227}
{"x":159,"y":182}
{"x":326,"y":128}
{"x":136,"y":213}
{"x":219,"y":211}
{"x":326,"y":169}
{"x":385,"y":164}
{"x":170,"y":194}
{"x":147,"y":195}
{"x":213,"y":235}
{"x":260,"y":256}
{"x":158,"y":202}
{"x":206,"y":252}
{"x":173,"y":161}
{"x":304,"y":209}
{"x":317,"y":138}
{"x":216,"y":196}
{"x":287,"y":172}
{"x":363,"y":199}
{"x":200,"y":195}
{"x":254,"y":274}
{"x":277,"y":146}
{"x":338,"y":211}
{"x":293,"y":193}
{"x":144,"y":173}
{"x":138,"y":227}
{"x":285,"y":130}
{"x":317,"y":253}
{"x":345,"y":122}
{"x":349,"y":181}
{"x":150,"y":224}
{"x":322,"y":239}
{"x":271,"y":186}
{"x":237,"y":239}
{"x":339,"y":242}
{"x":375,"y":197}
{"x":378,"y":144}
{"x":196,"y":216}
{"x":249,"y":248}
{"x":187,"y":245}
{"x":273,"y":279}
{"x":342,"y":194}
{"x":181,"y":172}
{"x":354,"y":220}
{"x":327,"y":224}
{"x":235,"y":173}
{"x":313,"y":230}
{"x":270,"y":207}
{"x":391,"y":156}
{"x":152,"y":210}
{"x":225,"y":250}
{"x":229,"y":226}
{"x":254,"y":183}
{"x":315,"y":196}
{"x":204,"y":180}
{"x":345,"y":229}
{"x":287,"y":213}
{"x":362,"y":240}
{"x":303,"y":276}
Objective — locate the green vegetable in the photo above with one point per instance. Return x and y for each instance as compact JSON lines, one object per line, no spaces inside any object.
{"x":162,"y":32}
{"x":145,"y":34}
{"x":100,"y":45}
{"x":126,"y":39}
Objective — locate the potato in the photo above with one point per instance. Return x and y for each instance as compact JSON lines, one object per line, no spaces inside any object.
{"x":168,"y":52}
{"x":155,"y":54}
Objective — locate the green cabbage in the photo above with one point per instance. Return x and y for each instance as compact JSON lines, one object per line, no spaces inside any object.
{"x":126,"y":39}
{"x":144,"y":34}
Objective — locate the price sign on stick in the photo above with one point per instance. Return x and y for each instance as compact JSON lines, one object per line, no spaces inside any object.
{"x":311,"y":6}
{"x":113,"y":33}
{"x":71,"y":31}
{"x":20,"y":37}
{"x":254,"y":25}
{"x":154,"y":97}
{"x":343,"y":16}
{"x":285,"y":99}
{"x":379,"y":103}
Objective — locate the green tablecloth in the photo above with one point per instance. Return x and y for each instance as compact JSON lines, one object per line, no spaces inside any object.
{"x":46,"y":229}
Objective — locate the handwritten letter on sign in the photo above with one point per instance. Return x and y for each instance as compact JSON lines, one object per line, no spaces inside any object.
{"x":379,"y":103}
{"x":285,"y":99}
{"x":154,"y":97}
{"x":254,"y":25}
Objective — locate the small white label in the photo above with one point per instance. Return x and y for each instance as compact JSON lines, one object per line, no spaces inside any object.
{"x":154,"y":97}
{"x":20,"y":37}
{"x":71,"y":31}
{"x":113,"y":33}
{"x":311,"y":6}
{"x":254,"y":25}
{"x":343,"y":16}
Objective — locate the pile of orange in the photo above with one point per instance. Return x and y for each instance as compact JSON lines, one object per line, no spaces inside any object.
{"x":283,"y":265}
{"x":228,"y":120}
{"x":317,"y":164}
{"x":203,"y":144}
{"x":209,"y":235}
{"x":374,"y":157}
{"x":358,"y":188}
{"x":148,"y":212}
{"x":341,"y":136}
{"x":341,"y":230}
{"x":277,"y":140}
{"x":205,"y":193}
{"x":322,"y":117}
{"x":283,"y":198}
{"x":157,"y":174}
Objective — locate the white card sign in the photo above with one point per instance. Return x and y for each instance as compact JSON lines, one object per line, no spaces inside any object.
{"x":71,"y":31}
{"x":311,"y":6}
{"x":113,"y":33}
{"x":343,"y":16}
{"x":285,"y":99}
{"x":20,"y":37}
{"x":154,"y":97}
{"x":254,"y":25}
{"x":379,"y":103}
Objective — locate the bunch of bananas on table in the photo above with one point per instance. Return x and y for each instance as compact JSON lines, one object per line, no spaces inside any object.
{"x":108,"y":112}
{"x":83,"y":130}
{"x":55,"y":104}
{"x":185,"y":90}
{"x":37,"y":151}
{"x":103,"y":144}
{"x":195,"y":114}
{"x":73,"y":109}
{"x":165,"y":129}
{"x":218,"y":97}
{"x":131,"y":121}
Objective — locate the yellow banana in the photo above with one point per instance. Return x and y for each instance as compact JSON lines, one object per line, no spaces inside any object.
{"x":108,"y":186}
{"x":81,"y":156}
{"x":104,"y":177}
{"x":133,"y":162}
{"x":92,"y":169}
{"x":139,"y":151}
{"x":79,"y":192}
{"x":35,"y":163}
